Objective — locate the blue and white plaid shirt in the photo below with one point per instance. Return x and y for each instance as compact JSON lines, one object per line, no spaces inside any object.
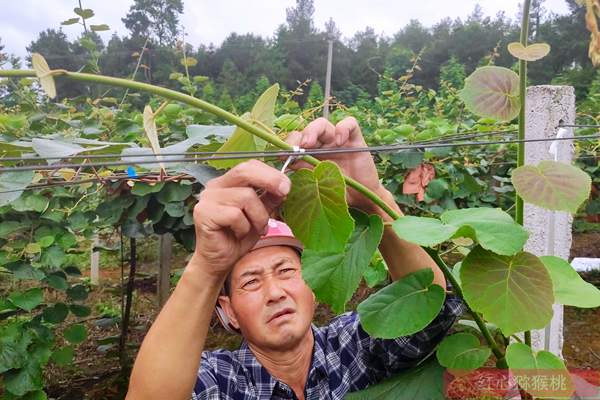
{"x":345,"y":359}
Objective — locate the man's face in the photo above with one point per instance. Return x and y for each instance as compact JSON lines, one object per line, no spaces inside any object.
{"x":268,"y":299}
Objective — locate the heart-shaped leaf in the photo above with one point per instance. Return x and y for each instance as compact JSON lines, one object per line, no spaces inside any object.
{"x":492,"y":92}
{"x":406,"y":306}
{"x":27,"y":300}
{"x":335,"y":276}
{"x":12,"y":184}
{"x":530,"y":367}
{"x":552,"y":185}
{"x":316,"y":208}
{"x":424,"y":381}
{"x":263,"y":112}
{"x":55,"y":314}
{"x":569,"y":288}
{"x":42,"y":71}
{"x":75,"y":333}
{"x":512,"y":292}
{"x":532,"y":52}
{"x":422,"y":230}
{"x":492,"y":228}
{"x":462,"y":351}
{"x":63,"y":356}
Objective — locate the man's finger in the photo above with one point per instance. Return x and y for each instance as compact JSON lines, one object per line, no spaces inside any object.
{"x":319,"y":132}
{"x":256,"y":174}
{"x":248,"y":201}
{"x":349,"y":129}
{"x":219,"y":216}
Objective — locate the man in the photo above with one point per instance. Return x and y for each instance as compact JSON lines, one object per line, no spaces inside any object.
{"x":265,"y":298}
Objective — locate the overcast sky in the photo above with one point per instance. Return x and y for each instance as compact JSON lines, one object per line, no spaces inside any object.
{"x":211,"y":21}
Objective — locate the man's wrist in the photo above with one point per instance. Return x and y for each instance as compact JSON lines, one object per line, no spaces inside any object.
{"x":388,"y":198}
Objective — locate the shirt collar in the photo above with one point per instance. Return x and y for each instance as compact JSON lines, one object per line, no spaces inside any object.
{"x":262,"y":379}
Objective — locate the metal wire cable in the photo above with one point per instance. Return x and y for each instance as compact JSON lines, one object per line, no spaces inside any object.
{"x":156,"y":158}
{"x":287,"y":153}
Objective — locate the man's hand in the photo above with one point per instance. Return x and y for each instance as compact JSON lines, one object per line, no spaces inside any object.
{"x":321,"y":133}
{"x":231,"y":216}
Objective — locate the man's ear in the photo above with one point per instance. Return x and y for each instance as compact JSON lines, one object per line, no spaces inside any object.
{"x":225,"y":303}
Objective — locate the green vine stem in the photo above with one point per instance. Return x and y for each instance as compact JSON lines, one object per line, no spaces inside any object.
{"x":203,"y":105}
{"x":522,"y":96}
{"x":263,"y":134}
{"x":501,"y":361}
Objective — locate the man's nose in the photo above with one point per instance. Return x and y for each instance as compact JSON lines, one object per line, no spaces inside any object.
{"x":273,"y":290}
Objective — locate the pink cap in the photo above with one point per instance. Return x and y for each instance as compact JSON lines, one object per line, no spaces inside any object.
{"x":278,"y":234}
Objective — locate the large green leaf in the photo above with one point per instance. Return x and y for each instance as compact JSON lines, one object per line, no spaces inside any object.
{"x":27,"y":300}
{"x":422,"y":382}
{"x":406,"y":306}
{"x":31,"y":202}
{"x":494,"y":229}
{"x":569,"y":288}
{"x":24,"y":380}
{"x":173,"y":192}
{"x":528,"y":367}
{"x":75,"y":333}
{"x":552,"y":185}
{"x":462,"y":351}
{"x":316,"y":208}
{"x":335,"y":276}
{"x":492,"y":92}
{"x":63,"y":356}
{"x":264,"y":113}
{"x":512,"y":292}
{"x":13,"y":183}
{"x":55,"y":314}
{"x":422,"y":230}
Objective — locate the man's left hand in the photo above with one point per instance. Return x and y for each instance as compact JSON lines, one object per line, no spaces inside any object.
{"x":321,"y":133}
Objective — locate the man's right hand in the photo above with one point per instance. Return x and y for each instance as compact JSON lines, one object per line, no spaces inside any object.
{"x":230,"y":216}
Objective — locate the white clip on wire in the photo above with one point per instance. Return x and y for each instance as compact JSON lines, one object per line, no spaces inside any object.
{"x":296,"y":149}
{"x":562,"y":132}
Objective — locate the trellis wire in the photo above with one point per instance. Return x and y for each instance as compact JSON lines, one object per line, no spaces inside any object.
{"x":287,"y":153}
{"x":445,"y":139}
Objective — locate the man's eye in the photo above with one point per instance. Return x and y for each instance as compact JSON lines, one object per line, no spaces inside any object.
{"x":250,"y":283}
{"x":287,"y":270}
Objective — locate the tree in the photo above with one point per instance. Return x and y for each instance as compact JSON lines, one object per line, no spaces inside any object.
{"x":157,"y":19}
{"x":300,"y":18}
{"x":453,"y":73}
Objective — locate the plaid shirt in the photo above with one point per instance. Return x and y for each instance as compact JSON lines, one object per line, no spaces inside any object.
{"x":345,"y":359}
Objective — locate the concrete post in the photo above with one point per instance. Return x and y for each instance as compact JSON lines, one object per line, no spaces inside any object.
{"x":163,"y":281}
{"x":549,"y":231}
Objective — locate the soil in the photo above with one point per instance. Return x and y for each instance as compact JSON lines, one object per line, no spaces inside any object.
{"x":97,"y":373}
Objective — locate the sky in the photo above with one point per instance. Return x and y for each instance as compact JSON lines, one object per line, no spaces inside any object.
{"x":211,"y":21}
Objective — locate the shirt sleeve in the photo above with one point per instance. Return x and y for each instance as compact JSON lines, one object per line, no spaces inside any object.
{"x":206,"y":387}
{"x":377,"y":359}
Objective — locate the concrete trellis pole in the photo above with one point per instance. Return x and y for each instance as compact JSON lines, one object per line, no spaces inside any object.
{"x":163,"y":282}
{"x":550,"y":231}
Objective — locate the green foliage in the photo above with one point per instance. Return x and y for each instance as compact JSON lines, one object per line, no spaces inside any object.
{"x":492,"y":228}
{"x":316,"y":208}
{"x":492,"y":92}
{"x":334,"y":276}
{"x":501,"y":288}
{"x":552,"y":185}
{"x":462,"y":351}
{"x":405,"y":307}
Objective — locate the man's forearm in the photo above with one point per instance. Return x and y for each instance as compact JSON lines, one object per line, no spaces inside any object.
{"x":403,"y":257}
{"x":169,"y":357}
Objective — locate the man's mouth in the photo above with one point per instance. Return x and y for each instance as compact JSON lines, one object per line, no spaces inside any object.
{"x":281,"y":313}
